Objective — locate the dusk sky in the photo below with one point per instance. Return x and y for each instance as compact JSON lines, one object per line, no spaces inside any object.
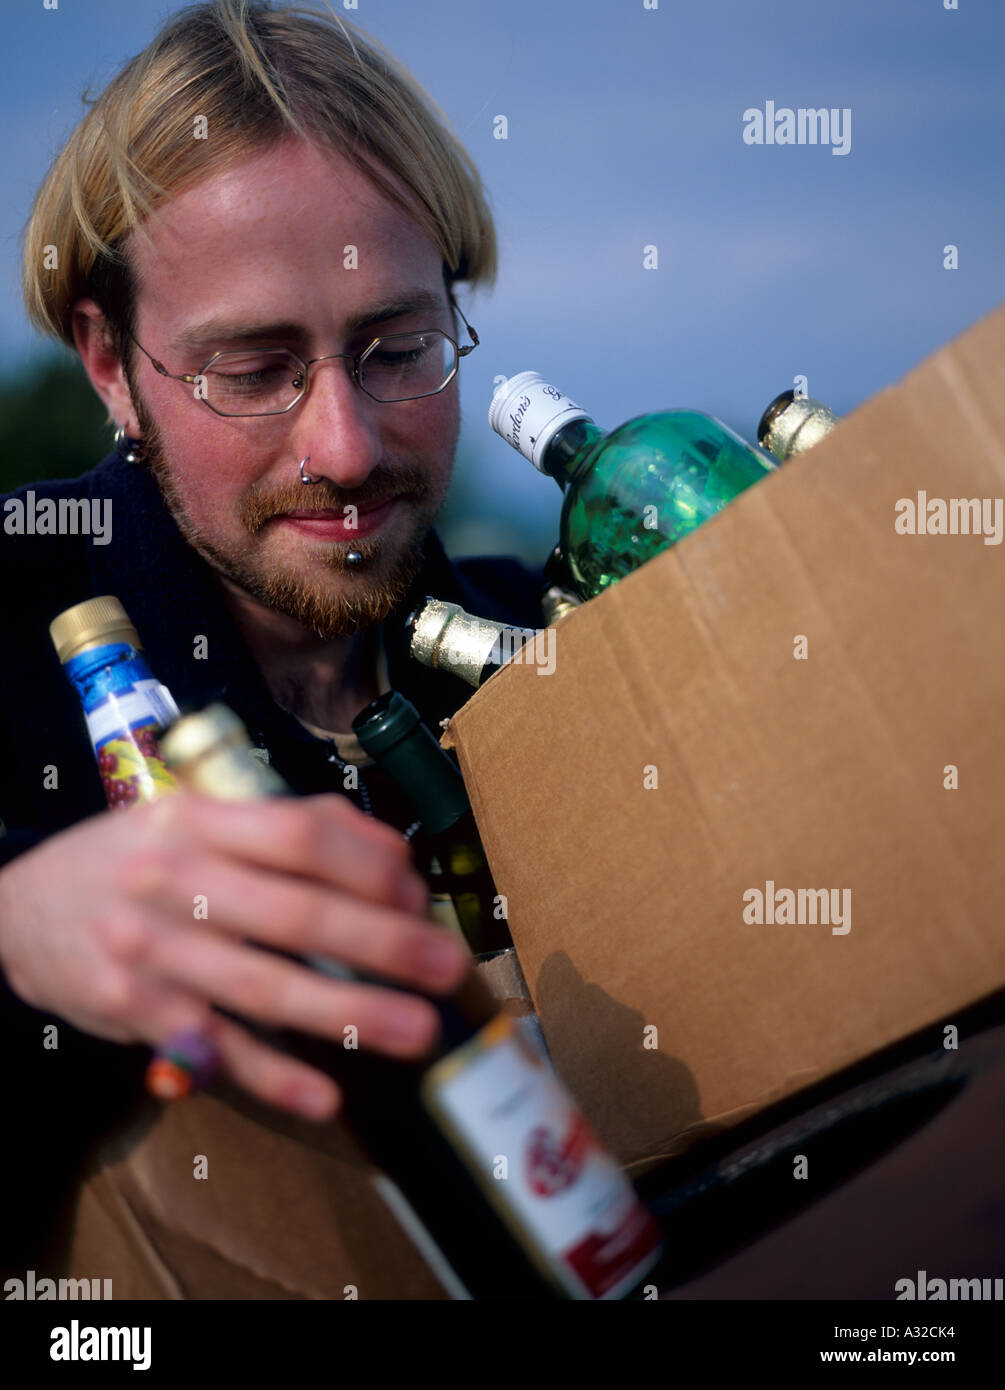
{"x":625,"y":130}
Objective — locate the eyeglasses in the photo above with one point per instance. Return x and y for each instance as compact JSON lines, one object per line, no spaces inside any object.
{"x":271,"y":381}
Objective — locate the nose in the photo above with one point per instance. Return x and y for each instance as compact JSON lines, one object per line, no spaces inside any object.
{"x":339,"y":425}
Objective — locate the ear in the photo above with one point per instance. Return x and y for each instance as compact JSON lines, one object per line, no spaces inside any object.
{"x":101,"y":363}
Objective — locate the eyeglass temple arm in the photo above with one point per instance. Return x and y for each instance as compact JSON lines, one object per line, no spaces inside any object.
{"x":470,"y":347}
{"x":160,"y":367}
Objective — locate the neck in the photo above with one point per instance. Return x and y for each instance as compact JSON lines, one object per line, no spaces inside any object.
{"x":323,"y":681}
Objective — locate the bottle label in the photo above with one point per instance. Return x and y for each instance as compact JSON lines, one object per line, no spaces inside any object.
{"x":125,"y":709}
{"x":561,"y":1194}
{"x":529,"y":414}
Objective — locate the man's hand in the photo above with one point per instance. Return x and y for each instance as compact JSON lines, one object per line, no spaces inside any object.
{"x":98,"y":926}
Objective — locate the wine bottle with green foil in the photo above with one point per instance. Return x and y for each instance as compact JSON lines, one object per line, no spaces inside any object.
{"x":792,"y":424}
{"x":630,"y":493}
{"x":391,"y":730}
{"x":487,"y":1161}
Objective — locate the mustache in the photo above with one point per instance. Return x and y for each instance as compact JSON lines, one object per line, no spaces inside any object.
{"x":261,"y":505}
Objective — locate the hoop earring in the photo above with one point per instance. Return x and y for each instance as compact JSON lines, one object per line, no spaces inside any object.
{"x":134,"y":453}
{"x":303,"y":476}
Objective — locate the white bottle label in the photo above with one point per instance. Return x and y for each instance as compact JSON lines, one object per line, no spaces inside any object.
{"x":527,"y":411}
{"x":144,"y":702}
{"x":560,"y":1192}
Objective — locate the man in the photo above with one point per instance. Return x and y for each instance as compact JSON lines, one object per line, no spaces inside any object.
{"x":255,"y":184}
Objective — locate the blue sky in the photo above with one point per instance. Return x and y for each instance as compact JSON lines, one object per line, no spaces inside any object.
{"x":625,"y":130}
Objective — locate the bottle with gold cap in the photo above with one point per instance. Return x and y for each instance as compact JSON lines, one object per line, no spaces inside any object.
{"x":792,"y":424}
{"x":124,"y":704}
{"x":445,"y":637}
{"x":558,"y":596}
{"x":560,"y":1220}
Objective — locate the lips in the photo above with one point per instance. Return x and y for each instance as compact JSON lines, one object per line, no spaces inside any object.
{"x":330,"y":524}
{"x":338,"y":513}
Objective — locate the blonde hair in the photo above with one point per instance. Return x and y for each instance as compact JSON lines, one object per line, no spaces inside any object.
{"x":256,"y":73}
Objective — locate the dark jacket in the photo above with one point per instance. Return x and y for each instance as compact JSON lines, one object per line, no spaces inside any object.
{"x":58,"y":1101}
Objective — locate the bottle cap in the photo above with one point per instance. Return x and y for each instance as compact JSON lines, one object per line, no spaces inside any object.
{"x":391,"y":730}
{"x":385,"y":722}
{"x":210,"y":752}
{"x":194,"y":735}
{"x":426,"y":625}
{"x":97,"y":622}
{"x":527,"y":411}
{"x":445,"y":637}
{"x":792,"y":424}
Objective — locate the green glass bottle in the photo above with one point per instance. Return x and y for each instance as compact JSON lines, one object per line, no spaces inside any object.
{"x":629,"y":494}
{"x":391,"y":730}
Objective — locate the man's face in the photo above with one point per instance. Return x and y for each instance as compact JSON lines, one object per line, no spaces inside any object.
{"x":264,"y":244}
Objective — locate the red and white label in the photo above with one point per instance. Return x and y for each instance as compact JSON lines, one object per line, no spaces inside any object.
{"x":560,"y":1192}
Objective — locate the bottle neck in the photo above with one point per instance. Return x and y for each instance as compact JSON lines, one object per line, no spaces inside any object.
{"x":394,"y":736}
{"x":568,"y":450}
{"x":446,"y":638}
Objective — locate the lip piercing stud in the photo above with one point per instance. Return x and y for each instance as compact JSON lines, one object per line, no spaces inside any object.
{"x":303,"y":476}
{"x":353,"y":558}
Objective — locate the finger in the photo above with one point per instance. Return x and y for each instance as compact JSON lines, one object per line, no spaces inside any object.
{"x":298,"y":916}
{"x":273,"y":1077}
{"x":261,"y":986}
{"x":269,"y":1075}
{"x":320,"y":837}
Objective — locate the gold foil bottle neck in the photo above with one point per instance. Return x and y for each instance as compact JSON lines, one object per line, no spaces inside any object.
{"x":556,"y":602}
{"x":447,"y":638}
{"x":210,"y":752}
{"x":793,"y":424}
{"x":97,"y":622}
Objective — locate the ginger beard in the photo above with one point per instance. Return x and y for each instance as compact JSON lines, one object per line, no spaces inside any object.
{"x":327,"y":595}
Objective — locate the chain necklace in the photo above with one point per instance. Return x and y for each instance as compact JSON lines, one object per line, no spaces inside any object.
{"x":341,"y":764}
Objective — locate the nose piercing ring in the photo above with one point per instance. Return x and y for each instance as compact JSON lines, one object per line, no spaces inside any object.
{"x":303,"y":476}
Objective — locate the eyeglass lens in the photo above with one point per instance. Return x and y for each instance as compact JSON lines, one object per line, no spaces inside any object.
{"x":258,"y":382}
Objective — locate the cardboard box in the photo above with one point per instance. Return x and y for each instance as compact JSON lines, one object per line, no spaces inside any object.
{"x":683,"y":752}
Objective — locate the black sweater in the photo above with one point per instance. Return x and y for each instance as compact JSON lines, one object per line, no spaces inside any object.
{"x":58,"y":1101}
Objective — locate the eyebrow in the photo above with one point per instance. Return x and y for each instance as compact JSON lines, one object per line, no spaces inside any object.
{"x":211,"y":332}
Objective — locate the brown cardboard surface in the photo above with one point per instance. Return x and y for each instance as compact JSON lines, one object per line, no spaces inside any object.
{"x":286,"y":1209}
{"x":626,"y":903}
